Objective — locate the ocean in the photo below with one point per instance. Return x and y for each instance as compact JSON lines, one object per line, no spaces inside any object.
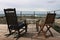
{"x":30,"y":13}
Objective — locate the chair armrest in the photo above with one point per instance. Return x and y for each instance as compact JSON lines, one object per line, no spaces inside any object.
{"x":40,"y":22}
{"x":37,"y":22}
{"x":25,"y":22}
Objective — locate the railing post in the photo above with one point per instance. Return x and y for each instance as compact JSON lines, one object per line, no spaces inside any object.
{"x":21,"y":15}
{"x":54,"y":11}
{"x":34,"y":14}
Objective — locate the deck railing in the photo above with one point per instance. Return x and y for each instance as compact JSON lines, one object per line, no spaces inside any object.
{"x":33,"y":15}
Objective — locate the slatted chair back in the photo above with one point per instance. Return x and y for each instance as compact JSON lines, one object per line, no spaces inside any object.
{"x":50,"y":18}
{"x":11,"y":17}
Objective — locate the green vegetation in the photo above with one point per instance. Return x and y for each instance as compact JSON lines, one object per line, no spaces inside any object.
{"x":56,"y":28}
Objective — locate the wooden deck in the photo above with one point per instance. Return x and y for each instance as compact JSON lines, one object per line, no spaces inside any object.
{"x":30,"y":35}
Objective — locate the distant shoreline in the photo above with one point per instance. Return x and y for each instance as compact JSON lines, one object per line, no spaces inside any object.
{"x":32,"y":15}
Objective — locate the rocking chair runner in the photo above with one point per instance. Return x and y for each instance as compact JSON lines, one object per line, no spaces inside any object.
{"x":12,"y":22}
{"x":50,"y":18}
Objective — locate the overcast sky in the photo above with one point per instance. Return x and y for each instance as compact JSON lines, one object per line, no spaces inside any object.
{"x":35,"y":5}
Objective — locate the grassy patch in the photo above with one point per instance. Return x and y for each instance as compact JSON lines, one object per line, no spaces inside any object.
{"x":56,"y":28}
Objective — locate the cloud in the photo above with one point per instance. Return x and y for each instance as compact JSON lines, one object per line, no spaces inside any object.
{"x":51,"y":1}
{"x":30,"y":4}
{"x":32,"y":9}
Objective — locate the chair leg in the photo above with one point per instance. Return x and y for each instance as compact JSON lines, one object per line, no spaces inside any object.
{"x":18,"y":34}
{"x":44,"y":32}
{"x":25,"y":25}
{"x":41,"y":29}
{"x":9,"y":29}
{"x":48,"y":29}
{"x":25,"y":28}
{"x":37,"y":28}
{"x":37,"y":25}
{"x":9,"y":32}
{"x":51,"y":33}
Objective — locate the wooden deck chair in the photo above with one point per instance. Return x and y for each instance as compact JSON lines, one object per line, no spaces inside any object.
{"x":12,"y":22}
{"x":49,"y":21}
